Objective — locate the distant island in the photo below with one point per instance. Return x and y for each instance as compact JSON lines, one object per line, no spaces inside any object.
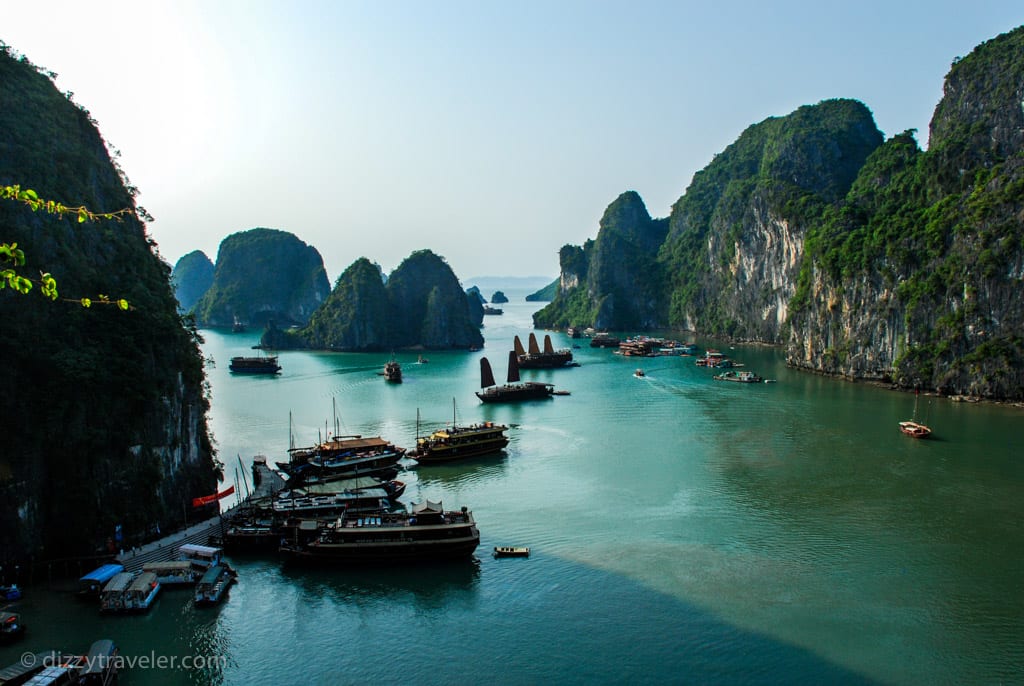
{"x":419,"y":306}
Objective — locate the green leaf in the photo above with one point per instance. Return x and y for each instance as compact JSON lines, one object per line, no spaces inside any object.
{"x":82,"y":216}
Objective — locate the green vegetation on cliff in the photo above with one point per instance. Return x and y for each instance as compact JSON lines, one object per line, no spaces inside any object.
{"x":421,"y":305}
{"x":191,"y":278}
{"x":941,"y":231}
{"x":264,"y":275}
{"x":618,"y":278}
{"x":105,"y":411}
{"x":792,"y":168}
{"x":868,"y":258}
{"x":546,"y":294}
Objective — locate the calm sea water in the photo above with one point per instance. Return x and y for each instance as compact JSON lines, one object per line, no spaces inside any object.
{"x":683,"y":531}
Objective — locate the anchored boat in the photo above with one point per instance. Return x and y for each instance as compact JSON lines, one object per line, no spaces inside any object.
{"x":513,"y":391}
{"x":429,"y":532}
{"x":455,"y":442}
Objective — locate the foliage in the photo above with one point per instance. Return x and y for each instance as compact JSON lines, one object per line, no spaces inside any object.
{"x":796,"y":166}
{"x":109,"y":409}
{"x":13,"y":256}
{"x":263,"y":275}
{"x":546,"y":294}
{"x":422,"y":304}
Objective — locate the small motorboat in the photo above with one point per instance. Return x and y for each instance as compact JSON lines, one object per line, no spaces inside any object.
{"x":11,"y":627}
{"x":639,"y":374}
{"x":511,"y":551}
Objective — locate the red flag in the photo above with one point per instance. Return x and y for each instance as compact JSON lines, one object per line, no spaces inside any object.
{"x":207,"y":499}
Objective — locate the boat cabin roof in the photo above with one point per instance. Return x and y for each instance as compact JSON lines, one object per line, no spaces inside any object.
{"x":143,"y":582}
{"x":427,"y":507}
{"x":98,"y":660}
{"x":204,"y":551}
{"x":119,"y":582}
{"x":170,"y":566}
{"x":104,"y":573}
{"x":211,"y":574}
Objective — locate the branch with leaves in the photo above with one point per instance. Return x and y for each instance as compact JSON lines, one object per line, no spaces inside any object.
{"x":12,"y":257}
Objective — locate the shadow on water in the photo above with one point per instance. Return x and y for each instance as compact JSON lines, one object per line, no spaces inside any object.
{"x":540,"y":619}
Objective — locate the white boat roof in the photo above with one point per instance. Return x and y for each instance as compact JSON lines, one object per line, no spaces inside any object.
{"x":193,"y":549}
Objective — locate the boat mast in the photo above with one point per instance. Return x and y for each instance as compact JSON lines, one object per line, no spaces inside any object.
{"x":291,"y":436}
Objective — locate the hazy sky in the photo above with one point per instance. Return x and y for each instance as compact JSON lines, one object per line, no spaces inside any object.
{"x":492,"y":133}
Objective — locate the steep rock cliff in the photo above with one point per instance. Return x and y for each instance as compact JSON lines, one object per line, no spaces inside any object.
{"x":421,"y":305}
{"x":735,"y":242}
{"x":429,"y":307}
{"x":104,"y":414}
{"x":867,"y":259}
{"x":918,"y":278}
{"x":264,"y":275}
{"x":615,"y":282}
{"x":191,"y":277}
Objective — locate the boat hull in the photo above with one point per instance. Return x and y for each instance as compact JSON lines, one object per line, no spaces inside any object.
{"x":454,"y":453}
{"x":513,"y":393}
{"x":387,"y":552}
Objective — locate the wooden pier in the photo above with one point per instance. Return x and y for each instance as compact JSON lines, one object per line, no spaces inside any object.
{"x":266,"y":482}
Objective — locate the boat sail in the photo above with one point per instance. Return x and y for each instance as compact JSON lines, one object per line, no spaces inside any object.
{"x":512,"y":391}
{"x":912,"y":427}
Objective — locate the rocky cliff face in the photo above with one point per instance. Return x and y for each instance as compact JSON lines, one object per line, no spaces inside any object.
{"x":422,"y":305}
{"x":261,"y":276}
{"x":867,"y":259}
{"x":103,"y":411}
{"x":191,"y":277}
{"x":924,"y":288}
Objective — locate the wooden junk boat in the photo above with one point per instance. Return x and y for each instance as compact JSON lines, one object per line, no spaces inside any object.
{"x":513,"y":391}
{"x":912,"y":427}
{"x":393,"y":372}
{"x":429,"y":532}
{"x":455,"y":442}
{"x":535,"y":358}
{"x":738,"y":377}
{"x":342,"y":457}
{"x":263,"y":364}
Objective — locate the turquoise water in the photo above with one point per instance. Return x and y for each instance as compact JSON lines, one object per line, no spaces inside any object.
{"x":682,"y":530}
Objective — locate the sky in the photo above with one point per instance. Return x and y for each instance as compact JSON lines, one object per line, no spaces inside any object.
{"x":492,"y":133}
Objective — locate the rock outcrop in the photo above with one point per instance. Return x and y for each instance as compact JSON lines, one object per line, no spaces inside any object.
{"x":262,"y":276}
{"x":422,"y":305}
{"x":103,"y":412}
{"x":866,"y":258}
{"x":191,"y":277}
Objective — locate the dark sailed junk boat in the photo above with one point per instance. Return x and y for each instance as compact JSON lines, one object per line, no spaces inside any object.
{"x":535,"y":358}
{"x":264,"y":364}
{"x":513,"y":391}
{"x":456,"y":442}
{"x":428,"y":533}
